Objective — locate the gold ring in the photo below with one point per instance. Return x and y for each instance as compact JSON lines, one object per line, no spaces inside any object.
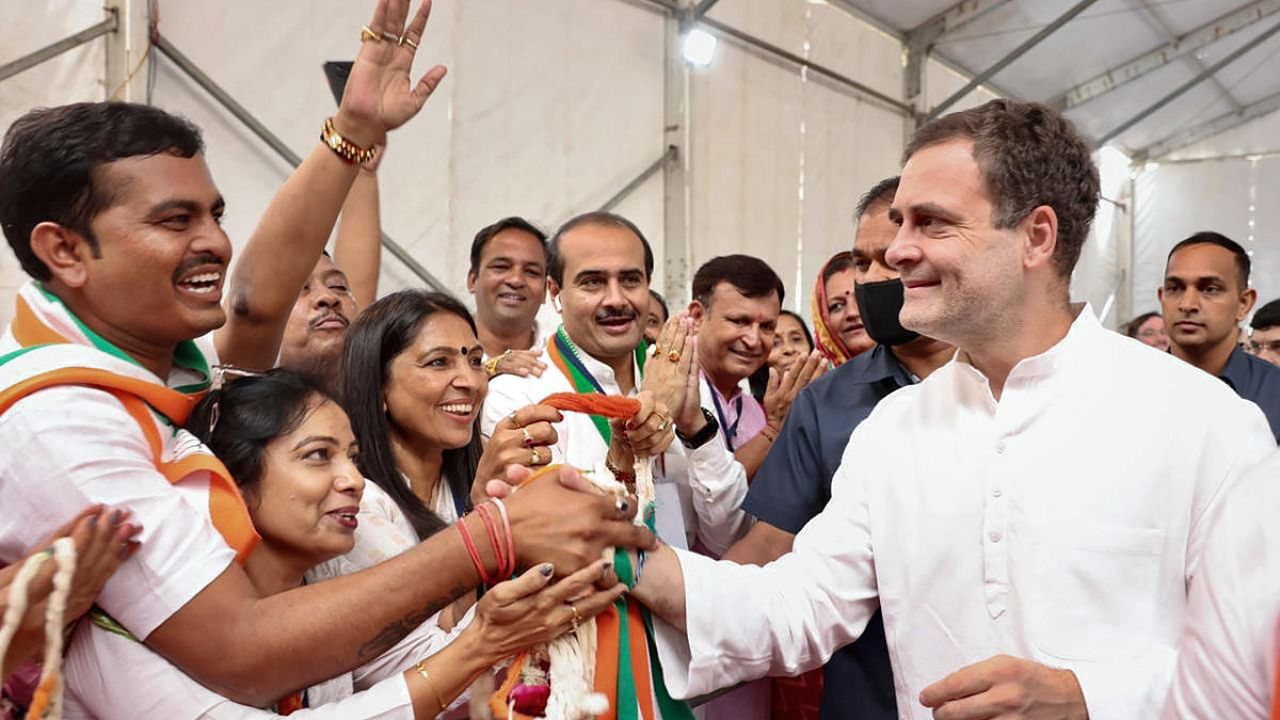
{"x":528,"y":439}
{"x":390,"y":36}
{"x":515,"y":420}
{"x":535,"y":456}
{"x":366,"y":34}
{"x":404,"y":40}
{"x":673,"y":356}
{"x":662,"y":426}
{"x":576,"y":617}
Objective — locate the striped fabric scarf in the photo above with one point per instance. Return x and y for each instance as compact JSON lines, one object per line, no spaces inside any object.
{"x":56,"y":348}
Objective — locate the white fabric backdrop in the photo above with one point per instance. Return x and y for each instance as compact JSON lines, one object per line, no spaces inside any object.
{"x":550,"y":107}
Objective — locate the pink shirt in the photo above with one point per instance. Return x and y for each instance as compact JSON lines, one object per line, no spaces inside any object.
{"x":740,"y":415}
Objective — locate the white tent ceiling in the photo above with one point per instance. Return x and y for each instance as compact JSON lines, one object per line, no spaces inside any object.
{"x":1107,"y":35}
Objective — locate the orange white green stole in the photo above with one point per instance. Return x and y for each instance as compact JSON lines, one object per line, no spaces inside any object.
{"x":54,"y":349}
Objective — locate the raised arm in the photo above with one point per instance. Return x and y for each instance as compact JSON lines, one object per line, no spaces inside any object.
{"x":284,"y":248}
{"x":358,"y":247}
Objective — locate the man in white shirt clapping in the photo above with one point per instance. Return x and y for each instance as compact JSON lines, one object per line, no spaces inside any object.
{"x":1029,"y":563}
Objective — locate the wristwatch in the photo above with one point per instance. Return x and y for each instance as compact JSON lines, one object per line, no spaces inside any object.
{"x":700,"y":438}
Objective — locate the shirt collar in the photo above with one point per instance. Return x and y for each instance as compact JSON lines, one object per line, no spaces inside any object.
{"x":601,"y":372}
{"x":190,"y":372}
{"x":1042,"y":367}
{"x":1237,"y":371}
{"x":877,"y":365}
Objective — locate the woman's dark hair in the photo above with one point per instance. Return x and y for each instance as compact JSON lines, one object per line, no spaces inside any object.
{"x":383,"y":331}
{"x":838,"y":263}
{"x":239,"y":420}
{"x":804,"y":326}
{"x":1131,"y":328}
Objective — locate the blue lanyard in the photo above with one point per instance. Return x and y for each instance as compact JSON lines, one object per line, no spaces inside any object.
{"x":729,"y":430}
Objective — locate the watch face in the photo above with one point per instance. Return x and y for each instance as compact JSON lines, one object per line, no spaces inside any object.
{"x":335,"y":139}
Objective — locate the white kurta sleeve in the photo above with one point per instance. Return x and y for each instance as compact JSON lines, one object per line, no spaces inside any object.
{"x":718,"y":484}
{"x":1230,"y":647}
{"x":507,"y":393}
{"x":746,"y":622}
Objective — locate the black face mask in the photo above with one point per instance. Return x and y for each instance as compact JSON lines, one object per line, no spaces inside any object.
{"x":880,"y":303}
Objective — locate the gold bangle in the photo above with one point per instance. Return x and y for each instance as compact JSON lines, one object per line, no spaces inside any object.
{"x":426,"y":677}
{"x":344,"y":148}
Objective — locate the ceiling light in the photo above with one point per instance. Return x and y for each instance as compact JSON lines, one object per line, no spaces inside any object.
{"x":699,"y":47}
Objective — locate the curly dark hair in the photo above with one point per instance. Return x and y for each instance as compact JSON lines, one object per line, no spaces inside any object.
{"x":1030,"y":155}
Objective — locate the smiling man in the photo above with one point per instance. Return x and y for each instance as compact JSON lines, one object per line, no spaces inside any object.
{"x":1205,"y":297}
{"x":1027,"y":566}
{"x":111,"y":210}
{"x":508,"y":278}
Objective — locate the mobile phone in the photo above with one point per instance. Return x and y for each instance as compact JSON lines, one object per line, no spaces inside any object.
{"x":336,"y":71}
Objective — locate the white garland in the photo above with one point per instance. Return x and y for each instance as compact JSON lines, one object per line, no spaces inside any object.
{"x":64,"y":552}
{"x":573,"y":654}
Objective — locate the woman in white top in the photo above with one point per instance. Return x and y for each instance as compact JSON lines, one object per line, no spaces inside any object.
{"x":293,"y":453}
{"x":413,"y":384}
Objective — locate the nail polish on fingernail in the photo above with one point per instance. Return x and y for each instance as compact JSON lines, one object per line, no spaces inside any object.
{"x":547,"y":569}
{"x":116,"y":517}
{"x":93,"y":522}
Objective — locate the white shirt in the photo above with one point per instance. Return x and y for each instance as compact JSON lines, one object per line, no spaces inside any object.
{"x":720,"y":483}
{"x":685,"y":507}
{"x":110,"y":677}
{"x":1227,"y":661}
{"x":1060,"y":524}
{"x":79,"y":446}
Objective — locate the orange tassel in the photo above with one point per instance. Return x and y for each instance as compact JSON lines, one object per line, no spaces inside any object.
{"x":610,"y":406}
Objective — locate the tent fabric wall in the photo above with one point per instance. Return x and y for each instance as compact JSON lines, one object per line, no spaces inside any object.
{"x":73,"y":76}
{"x":1175,"y":200}
{"x":1223,"y":183}
{"x":550,"y":107}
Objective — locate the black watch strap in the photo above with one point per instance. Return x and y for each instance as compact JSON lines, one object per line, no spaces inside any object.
{"x":703,"y":436}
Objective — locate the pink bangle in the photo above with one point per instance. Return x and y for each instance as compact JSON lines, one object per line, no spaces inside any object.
{"x":471,"y":549}
{"x":511,"y":538}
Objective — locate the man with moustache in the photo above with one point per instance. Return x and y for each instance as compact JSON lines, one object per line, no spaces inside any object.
{"x":111,"y":209}
{"x":794,"y":484}
{"x":508,"y":278}
{"x":1026,"y":565}
{"x":598,"y":276}
{"x":1205,"y":297}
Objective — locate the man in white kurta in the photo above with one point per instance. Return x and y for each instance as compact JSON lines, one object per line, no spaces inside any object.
{"x":1229,"y":659}
{"x":1028,"y":517}
{"x":600,"y":278}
